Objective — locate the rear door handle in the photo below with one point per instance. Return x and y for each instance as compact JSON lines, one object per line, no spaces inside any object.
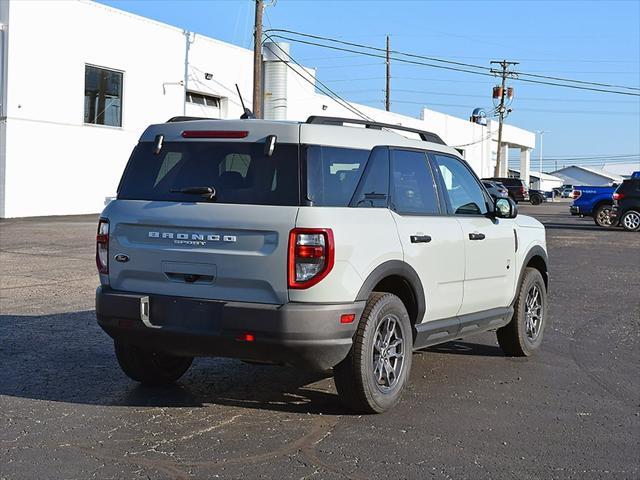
{"x":476,"y":236}
{"x":420,"y":238}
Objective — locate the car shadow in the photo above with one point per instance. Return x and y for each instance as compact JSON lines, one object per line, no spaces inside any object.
{"x":68,"y":358}
{"x":465,"y":348}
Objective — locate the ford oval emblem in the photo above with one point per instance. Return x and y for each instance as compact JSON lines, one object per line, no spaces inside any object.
{"x":122,"y":258}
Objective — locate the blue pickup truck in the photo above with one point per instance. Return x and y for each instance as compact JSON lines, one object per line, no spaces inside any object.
{"x":593,"y":202}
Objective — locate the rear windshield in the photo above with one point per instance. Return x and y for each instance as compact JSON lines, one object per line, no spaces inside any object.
{"x":239,"y":173}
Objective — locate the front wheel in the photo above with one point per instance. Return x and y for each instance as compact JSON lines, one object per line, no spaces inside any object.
{"x":602,"y":216}
{"x":374,"y":374}
{"x":630,"y":221}
{"x":149,"y":367}
{"x":522,"y":336}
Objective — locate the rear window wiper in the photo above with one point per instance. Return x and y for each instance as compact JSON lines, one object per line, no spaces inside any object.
{"x":208,"y":192}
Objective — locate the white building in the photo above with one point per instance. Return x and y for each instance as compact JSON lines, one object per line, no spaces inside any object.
{"x":540,"y":181}
{"x":577,"y":175}
{"x":80,"y":81}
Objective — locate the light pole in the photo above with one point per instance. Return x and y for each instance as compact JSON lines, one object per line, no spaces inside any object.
{"x":541,"y":133}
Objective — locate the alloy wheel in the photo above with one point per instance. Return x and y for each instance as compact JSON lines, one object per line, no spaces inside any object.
{"x":631,"y":221}
{"x":533,"y":313}
{"x":388,"y":353}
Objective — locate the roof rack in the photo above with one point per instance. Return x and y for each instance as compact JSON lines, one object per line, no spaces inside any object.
{"x":424,"y":135}
{"x":188,"y":119}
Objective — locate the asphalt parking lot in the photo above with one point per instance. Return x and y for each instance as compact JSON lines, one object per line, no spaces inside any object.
{"x":67,"y":411}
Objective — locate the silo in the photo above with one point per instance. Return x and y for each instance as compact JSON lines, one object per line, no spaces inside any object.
{"x":276,"y":56}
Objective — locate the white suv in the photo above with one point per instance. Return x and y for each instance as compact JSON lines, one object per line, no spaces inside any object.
{"x":316,"y":244}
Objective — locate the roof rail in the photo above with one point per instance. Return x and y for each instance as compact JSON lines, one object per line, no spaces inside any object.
{"x":187,"y":119}
{"x":340,"y":121}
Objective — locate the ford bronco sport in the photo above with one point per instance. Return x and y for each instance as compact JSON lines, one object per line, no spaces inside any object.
{"x":329,"y":244}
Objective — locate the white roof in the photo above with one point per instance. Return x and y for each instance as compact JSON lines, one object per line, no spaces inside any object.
{"x":602,"y":173}
{"x":545,"y":176}
{"x":623,"y":169}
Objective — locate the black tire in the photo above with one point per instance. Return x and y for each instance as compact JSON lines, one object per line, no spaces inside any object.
{"x":601,"y":215}
{"x":518,"y":338}
{"x":150,"y":368}
{"x":630,"y":221}
{"x":535,"y":200}
{"x":355,"y":376}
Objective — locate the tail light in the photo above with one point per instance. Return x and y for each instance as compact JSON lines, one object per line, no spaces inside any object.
{"x":576,"y":194}
{"x":311,"y":256}
{"x":523,"y":190}
{"x":102,"y":246}
{"x":618,"y":196}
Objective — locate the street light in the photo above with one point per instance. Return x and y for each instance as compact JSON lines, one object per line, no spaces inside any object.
{"x":541,"y":133}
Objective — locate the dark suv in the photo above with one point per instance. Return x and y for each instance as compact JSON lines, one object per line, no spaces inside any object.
{"x":626,"y":205}
{"x":518,"y":191}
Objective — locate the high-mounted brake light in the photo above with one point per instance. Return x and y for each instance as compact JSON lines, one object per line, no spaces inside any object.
{"x":311,"y":256}
{"x":215,"y":134}
{"x":102,"y":246}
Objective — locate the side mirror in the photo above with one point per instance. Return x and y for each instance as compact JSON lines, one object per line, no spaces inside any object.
{"x":505,"y":208}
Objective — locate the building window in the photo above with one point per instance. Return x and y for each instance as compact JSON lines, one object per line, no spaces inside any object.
{"x":205,"y":100}
{"x":102,"y":96}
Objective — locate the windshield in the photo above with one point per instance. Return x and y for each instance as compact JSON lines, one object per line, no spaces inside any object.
{"x":238,"y":172}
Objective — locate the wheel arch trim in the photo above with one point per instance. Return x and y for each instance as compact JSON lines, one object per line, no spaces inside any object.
{"x":535,"y":251}
{"x":401,"y":269}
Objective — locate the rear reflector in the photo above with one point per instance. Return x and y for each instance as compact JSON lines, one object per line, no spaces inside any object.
{"x":347,"y":318}
{"x":215,"y":134}
{"x":245,"y":337}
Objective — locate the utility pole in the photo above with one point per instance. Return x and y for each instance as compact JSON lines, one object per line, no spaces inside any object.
{"x":387,"y":99}
{"x":257,"y":60}
{"x":504,"y":73}
{"x":541,"y":133}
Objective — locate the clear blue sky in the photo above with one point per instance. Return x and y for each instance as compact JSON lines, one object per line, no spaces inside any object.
{"x":596,"y":41}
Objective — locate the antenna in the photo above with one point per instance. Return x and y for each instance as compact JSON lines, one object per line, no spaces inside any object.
{"x":247,"y":113}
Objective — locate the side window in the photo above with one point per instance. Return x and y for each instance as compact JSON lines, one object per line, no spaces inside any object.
{"x":333,"y":174}
{"x":464,"y":192}
{"x":412,"y":187}
{"x":373,"y":189}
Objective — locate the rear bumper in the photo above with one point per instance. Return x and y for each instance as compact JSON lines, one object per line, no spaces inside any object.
{"x":574,"y":210}
{"x":300,"y":334}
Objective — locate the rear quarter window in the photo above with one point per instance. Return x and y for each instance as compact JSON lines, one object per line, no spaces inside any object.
{"x":333,"y":174}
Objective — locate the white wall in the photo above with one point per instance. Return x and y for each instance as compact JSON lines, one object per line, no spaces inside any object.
{"x":55,"y":163}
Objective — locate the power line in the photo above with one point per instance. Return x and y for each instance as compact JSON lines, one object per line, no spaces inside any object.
{"x":451,"y":62}
{"x":582,"y":83}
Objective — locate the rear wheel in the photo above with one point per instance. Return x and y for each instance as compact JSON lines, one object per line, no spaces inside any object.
{"x":630,"y":221}
{"x":374,"y":374}
{"x":522,"y":336}
{"x":148,"y":367}
{"x":535,"y":200}
{"x":602,"y":215}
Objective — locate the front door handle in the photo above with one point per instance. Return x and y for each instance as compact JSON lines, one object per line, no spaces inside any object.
{"x":420,"y":238}
{"x":476,"y":236}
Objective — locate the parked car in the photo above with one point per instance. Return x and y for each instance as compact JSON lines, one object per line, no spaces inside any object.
{"x":536,"y":197}
{"x":625,"y":210}
{"x":313,"y":244}
{"x":518,"y":191}
{"x":496,"y":189}
{"x":593,"y":202}
{"x":566,"y":191}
